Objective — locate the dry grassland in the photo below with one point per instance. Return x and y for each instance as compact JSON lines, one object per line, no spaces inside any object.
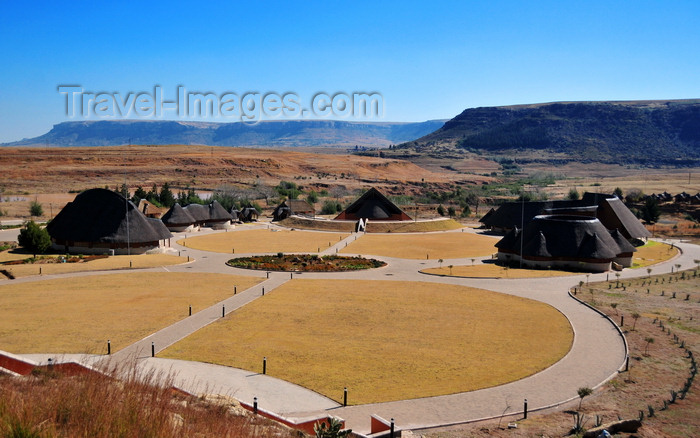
{"x":385,"y":340}
{"x":652,"y":253}
{"x":263,"y":241}
{"x":114,"y":262}
{"x":492,"y":270}
{"x":417,"y":246}
{"x":76,"y":315}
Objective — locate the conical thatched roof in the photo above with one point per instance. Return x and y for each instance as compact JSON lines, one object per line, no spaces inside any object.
{"x":100,"y":215}
{"x":200,"y":213}
{"x":177,"y":216}
{"x":607,"y":208}
{"x":217,"y":213}
{"x":565,"y":237}
{"x":374,"y":206}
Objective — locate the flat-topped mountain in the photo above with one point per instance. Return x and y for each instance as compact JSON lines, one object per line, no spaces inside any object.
{"x":264,"y":133}
{"x":644,"y":132}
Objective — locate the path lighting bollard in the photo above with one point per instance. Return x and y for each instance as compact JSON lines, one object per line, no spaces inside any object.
{"x":391,"y":431}
{"x":235,"y":289}
{"x":290,"y":275}
{"x":263,"y":291}
{"x":233,"y":250}
{"x":109,"y":347}
{"x":525,"y":409}
{"x":50,"y":363}
{"x":268,"y":274}
{"x":345,"y":396}
{"x":622,"y":320}
{"x":190,"y":310}
{"x":265,"y":365}
{"x":223,"y":311}
{"x":255,"y":405}
{"x":627,"y":363}
{"x":153,"y":349}
{"x":188,"y":258}
{"x":39,"y":270}
{"x":130,"y":265}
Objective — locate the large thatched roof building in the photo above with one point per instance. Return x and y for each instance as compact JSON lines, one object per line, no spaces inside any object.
{"x":565,"y":241}
{"x":374,"y":206}
{"x":610,"y":210}
{"x":100,"y":220}
{"x":213,"y":215}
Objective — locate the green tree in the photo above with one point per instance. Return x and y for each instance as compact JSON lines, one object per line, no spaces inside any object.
{"x":650,"y":211}
{"x":139,"y":194}
{"x":618,"y":192}
{"x":466,"y":211}
{"x":451,"y":211}
{"x":166,"y":197}
{"x":331,"y":430}
{"x":35,"y":209}
{"x":441,"y":210}
{"x":330,"y":207}
{"x":583,"y":391}
{"x":574,"y":195}
{"x":312,"y":198}
{"x":33,"y":238}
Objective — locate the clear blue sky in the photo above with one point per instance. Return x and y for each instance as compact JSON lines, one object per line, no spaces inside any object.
{"x":429,"y":60}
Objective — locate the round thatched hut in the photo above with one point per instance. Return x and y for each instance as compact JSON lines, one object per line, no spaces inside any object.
{"x":99,"y":221}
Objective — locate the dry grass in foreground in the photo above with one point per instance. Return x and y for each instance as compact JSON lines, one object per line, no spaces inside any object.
{"x":652,"y":253}
{"x":448,"y":245}
{"x":78,"y":315}
{"x":657,"y":367}
{"x":141,"y":261}
{"x":492,"y":270}
{"x":48,"y":405}
{"x":263,"y":241}
{"x":385,"y":340}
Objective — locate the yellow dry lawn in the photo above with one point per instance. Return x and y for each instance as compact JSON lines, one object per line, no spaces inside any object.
{"x":263,"y":241}
{"x":652,"y":253}
{"x":491,"y":270}
{"x":448,"y":245}
{"x":111,"y":263}
{"x":78,"y":315}
{"x":385,"y":340}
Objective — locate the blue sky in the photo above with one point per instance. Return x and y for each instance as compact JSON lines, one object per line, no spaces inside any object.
{"x":429,"y":60}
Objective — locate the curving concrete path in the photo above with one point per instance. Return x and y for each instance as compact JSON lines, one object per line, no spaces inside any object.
{"x":597,"y":353}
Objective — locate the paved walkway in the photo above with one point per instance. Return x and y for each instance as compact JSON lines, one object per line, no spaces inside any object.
{"x":596,"y":354}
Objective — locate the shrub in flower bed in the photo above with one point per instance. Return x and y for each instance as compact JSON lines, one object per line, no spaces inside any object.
{"x":59,"y":259}
{"x":305,"y":263}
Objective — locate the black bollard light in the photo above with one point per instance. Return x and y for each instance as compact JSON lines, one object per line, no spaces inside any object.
{"x":255,"y":405}
{"x":525,"y":409}
{"x":622,"y":320}
{"x":235,"y":289}
{"x":345,"y":396}
{"x":263,"y":290}
{"x":223,"y":311}
{"x":391,"y":431}
{"x":109,"y":347}
{"x":265,"y":365}
{"x":153,"y":349}
{"x":190,"y":310}
{"x":627,"y":363}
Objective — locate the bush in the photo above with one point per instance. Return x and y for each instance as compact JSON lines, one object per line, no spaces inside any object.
{"x":441,"y":210}
{"x":34,"y":238}
{"x":330,"y":207}
{"x":35,"y":209}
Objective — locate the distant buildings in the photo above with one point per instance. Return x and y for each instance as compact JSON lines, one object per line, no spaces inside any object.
{"x":374,"y":206}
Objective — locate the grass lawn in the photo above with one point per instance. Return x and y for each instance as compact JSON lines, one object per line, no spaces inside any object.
{"x":652,"y":253}
{"x":492,"y":270}
{"x":111,"y":263}
{"x":385,"y":340}
{"x":76,"y":315}
{"x":418,"y":246}
{"x":263,"y":241}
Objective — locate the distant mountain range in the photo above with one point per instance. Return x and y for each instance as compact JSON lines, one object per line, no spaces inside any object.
{"x":644,"y":132}
{"x":265,"y":133}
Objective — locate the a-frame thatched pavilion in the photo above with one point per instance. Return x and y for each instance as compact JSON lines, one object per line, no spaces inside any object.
{"x":374,"y":206}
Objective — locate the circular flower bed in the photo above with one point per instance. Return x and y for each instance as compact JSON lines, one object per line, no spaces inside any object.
{"x":305,"y":263}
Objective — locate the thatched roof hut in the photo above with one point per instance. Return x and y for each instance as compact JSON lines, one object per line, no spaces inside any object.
{"x":99,"y":220}
{"x":572,"y":242}
{"x":177,"y":218}
{"x":248,"y":214}
{"x":374,"y":206}
{"x":292,"y":206}
{"x":218,"y":216}
{"x":199,"y":212}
